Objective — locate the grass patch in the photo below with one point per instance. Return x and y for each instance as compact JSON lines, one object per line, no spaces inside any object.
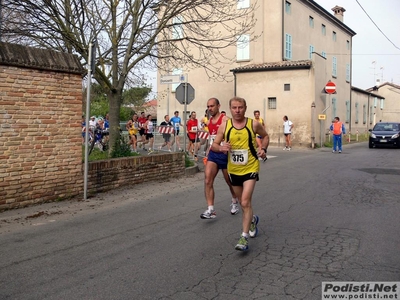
{"x":354,"y":138}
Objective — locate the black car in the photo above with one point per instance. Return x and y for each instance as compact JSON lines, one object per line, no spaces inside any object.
{"x":385,"y":133}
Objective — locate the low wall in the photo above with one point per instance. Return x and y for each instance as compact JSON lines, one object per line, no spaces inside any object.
{"x":105,"y":175}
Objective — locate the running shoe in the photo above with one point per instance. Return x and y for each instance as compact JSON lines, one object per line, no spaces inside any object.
{"x":285,"y":148}
{"x":234,"y":208}
{"x":253,"y":226}
{"x":243,"y":244}
{"x":208,"y":214}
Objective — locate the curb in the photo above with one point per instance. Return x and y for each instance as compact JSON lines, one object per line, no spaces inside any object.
{"x":192,"y":170}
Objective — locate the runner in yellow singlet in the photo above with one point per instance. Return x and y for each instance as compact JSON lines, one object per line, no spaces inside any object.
{"x":239,"y":134}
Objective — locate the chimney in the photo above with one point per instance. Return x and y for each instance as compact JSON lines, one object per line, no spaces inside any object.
{"x":338,"y":12}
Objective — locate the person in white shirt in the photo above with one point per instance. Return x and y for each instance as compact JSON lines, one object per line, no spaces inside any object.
{"x":287,"y":131}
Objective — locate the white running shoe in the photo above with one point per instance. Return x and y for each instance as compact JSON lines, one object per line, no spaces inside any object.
{"x":234,"y":208}
{"x":208,"y":214}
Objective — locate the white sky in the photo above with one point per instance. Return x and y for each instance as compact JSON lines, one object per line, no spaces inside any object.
{"x":369,"y":44}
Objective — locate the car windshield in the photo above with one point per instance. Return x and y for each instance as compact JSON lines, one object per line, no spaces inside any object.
{"x":386,"y":127}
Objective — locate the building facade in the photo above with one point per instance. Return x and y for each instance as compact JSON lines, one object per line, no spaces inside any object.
{"x":387,"y":103}
{"x":282,"y":68}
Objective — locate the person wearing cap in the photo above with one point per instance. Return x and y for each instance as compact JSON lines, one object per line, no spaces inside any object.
{"x":92,"y":121}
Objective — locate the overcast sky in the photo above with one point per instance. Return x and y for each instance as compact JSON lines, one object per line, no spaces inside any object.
{"x":370,"y":44}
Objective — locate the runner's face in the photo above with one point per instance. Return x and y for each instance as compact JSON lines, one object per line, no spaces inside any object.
{"x":213,"y":109}
{"x":256,"y":115}
{"x":237,"y":110}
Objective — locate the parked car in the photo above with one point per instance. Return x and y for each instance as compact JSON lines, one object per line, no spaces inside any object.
{"x":385,"y":133}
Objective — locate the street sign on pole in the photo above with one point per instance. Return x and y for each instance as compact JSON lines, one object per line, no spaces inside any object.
{"x":330,"y":87}
{"x":184,"y":93}
{"x":169,"y":79}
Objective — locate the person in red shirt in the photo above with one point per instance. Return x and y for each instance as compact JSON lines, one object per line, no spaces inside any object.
{"x":192,"y":126}
{"x":142,"y":120}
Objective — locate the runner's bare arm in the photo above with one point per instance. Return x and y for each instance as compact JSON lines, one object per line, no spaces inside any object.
{"x":259,"y":130}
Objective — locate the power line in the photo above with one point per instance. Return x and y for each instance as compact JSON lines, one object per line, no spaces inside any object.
{"x":376,"y":25}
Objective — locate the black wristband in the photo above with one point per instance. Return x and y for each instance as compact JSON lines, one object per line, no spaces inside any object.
{"x":265,"y":150}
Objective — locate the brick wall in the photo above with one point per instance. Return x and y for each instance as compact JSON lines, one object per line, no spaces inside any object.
{"x":40,"y":134}
{"x":110,"y":174}
{"x":40,"y":113}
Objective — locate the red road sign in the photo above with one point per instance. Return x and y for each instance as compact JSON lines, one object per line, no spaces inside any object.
{"x":330,"y":87}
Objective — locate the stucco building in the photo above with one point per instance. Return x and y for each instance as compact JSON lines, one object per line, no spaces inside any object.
{"x":299,"y":48}
{"x":388,"y":107}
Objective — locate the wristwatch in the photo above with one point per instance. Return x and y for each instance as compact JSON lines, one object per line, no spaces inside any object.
{"x":265,"y":150}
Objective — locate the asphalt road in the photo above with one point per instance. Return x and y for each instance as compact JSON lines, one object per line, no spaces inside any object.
{"x":323,"y":217}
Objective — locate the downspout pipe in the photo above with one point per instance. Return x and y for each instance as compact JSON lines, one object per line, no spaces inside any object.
{"x":234,"y":83}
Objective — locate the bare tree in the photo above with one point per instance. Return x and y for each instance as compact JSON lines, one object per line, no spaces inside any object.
{"x":132,"y":35}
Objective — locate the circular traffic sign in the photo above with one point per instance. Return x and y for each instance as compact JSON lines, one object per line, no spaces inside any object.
{"x":330,"y":87}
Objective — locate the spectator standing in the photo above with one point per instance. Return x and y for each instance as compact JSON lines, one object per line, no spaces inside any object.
{"x":133,"y":128}
{"x":287,"y":131}
{"x":92,"y":122}
{"x":149,"y":128}
{"x":166,"y":136}
{"x":177,"y":123}
{"x":204,"y":127}
{"x":239,"y":134}
{"x":194,"y":142}
{"x":142,"y":131}
{"x":337,"y":129}
{"x":83,"y":125}
{"x":216,"y":161}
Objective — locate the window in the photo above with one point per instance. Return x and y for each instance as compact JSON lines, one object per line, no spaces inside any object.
{"x":357,"y":112}
{"x":243,"y":47}
{"x":175,"y":85}
{"x":243,"y":4}
{"x":334,"y":36}
{"x":334,"y":66}
{"x":286,"y":87}
{"x":382,"y":103}
{"x":334,"y":107}
{"x":323,"y":53}
{"x":323,"y":29}
{"x":347,"y":111}
{"x":348,"y":45}
{"x":371,"y":115}
{"x":364,"y":114}
{"x":348,"y":72}
{"x":288,"y":47}
{"x":375,"y":102}
{"x":177,"y":29}
{"x":288,"y":7}
{"x":311,"y":22}
{"x":271,"y":103}
{"x":310,"y":52}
